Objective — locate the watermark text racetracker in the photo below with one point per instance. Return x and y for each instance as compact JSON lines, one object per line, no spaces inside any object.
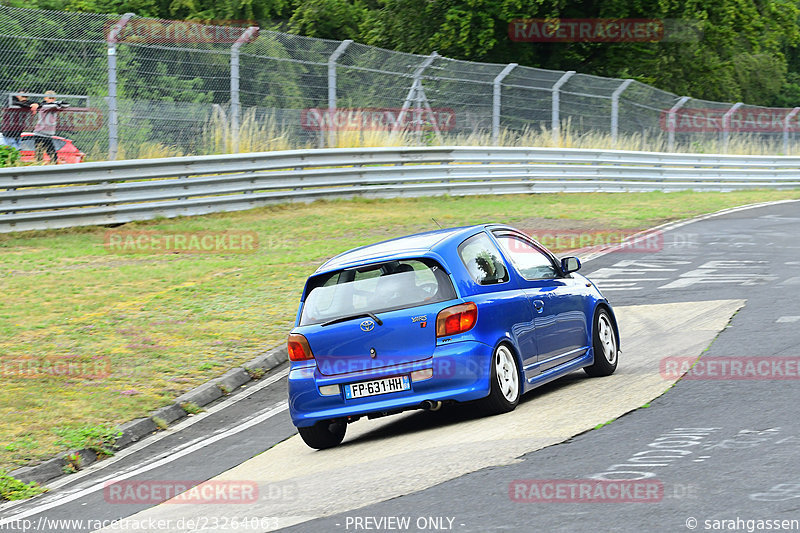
{"x":67,"y":120}
{"x":585,"y":491}
{"x":154,"y":31}
{"x":742,"y":120}
{"x":602,"y":30}
{"x":378,"y":118}
{"x":161,"y":242}
{"x":731,"y":368}
{"x":196,"y":492}
{"x":588,"y":240}
{"x":438,"y":368}
{"x":96,"y":367}
{"x":585,"y":30}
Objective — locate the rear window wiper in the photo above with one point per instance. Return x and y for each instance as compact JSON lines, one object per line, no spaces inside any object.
{"x":351,"y":317}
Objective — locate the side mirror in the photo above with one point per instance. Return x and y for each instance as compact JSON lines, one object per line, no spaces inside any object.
{"x":570,"y":264}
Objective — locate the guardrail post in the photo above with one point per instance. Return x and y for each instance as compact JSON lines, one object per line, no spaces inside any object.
{"x":671,"y":122}
{"x":113,"y":119}
{"x":786,"y":121}
{"x":236,"y":107}
{"x":184,"y":177}
{"x":555,"y":119}
{"x":615,"y":108}
{"x":496,"y":101}
{"x":332,"y":88}
{"x":726,"y":123}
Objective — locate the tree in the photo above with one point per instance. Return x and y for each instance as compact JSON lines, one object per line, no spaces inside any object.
{"x":737,"y":53}
{"x":328,"y":19}
{"x":731,"y":50}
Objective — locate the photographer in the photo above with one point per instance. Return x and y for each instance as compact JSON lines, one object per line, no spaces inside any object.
{"x":46,"y":126}
{"x":16,"y":118}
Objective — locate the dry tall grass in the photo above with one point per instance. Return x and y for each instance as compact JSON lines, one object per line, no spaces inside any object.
{"x":148,"y":150}
{"x":255,"y":134}
{"x":739,"y":143}
{"x":264,"y":133}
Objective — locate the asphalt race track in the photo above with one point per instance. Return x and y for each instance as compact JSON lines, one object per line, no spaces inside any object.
{"x":717,"y":451}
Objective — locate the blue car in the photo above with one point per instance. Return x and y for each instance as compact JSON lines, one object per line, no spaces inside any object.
{"x":455,"y":315}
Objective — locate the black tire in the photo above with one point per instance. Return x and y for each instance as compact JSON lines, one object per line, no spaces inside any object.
{"x":605,"y":346}
{"x":505,"y":382}
{"x":325,"y":434}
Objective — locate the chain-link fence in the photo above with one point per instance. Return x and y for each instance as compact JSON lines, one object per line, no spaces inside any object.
{"x":142,"y":87}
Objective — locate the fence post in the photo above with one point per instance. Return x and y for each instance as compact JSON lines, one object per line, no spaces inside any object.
{"x":236,"y":107}
{"x":113,"y":119}
{"x":332,"y":88}
{"x":786,"y":121}
{"x":726,"y":124}
{"x":615,"y":108}
{"x":413,"y":92}
{"x":496,"y":101}
{"x":671,"y":122}
{"x":555,"y":119}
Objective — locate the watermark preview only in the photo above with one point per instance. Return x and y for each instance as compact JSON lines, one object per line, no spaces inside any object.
{"x":400,"y":523}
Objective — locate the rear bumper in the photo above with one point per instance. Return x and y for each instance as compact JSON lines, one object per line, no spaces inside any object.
{"x":461,"y":372}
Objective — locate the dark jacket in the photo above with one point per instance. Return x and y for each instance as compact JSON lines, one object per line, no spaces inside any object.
{"x":17,"y":118}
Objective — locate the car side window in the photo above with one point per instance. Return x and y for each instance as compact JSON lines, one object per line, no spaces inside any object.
{"x":483,"y":260}
{"x":531,"y":262}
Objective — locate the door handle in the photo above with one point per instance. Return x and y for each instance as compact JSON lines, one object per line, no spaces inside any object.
{"x":539,"y":305}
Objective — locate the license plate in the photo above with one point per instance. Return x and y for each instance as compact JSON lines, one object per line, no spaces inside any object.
{"x":375,"y":387}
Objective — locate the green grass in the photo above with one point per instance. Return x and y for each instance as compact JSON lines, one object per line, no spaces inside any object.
{"x":598,"y":426}
{"x":162,"y":324}
{"x":192,"y":408}
{"x":97,"y":438}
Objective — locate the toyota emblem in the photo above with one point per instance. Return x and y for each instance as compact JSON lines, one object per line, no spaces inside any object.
{"x":367,"y":325}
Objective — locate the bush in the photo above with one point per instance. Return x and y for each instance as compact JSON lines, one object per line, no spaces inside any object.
{"x":14,"y":489}
{"x":8,"y":156}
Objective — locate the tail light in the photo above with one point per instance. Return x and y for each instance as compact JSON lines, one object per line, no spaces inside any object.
{"x":456,"y":319}
{"x":299,"y":350}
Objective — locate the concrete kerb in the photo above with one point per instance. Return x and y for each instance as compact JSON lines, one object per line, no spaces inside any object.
{"x":141,"y":427}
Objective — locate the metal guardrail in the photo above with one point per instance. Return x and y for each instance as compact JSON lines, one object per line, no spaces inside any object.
{"x":34,"y":198}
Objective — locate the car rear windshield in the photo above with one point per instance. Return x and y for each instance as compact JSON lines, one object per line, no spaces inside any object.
{"x":375,"y":288}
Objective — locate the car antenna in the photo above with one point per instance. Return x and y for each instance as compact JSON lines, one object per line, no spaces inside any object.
{"x":440,"y":226}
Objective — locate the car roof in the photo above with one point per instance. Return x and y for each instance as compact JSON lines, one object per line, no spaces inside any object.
{"x":418,"y":244}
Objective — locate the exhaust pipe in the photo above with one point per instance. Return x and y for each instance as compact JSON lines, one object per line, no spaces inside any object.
{"x":429,"y":405}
